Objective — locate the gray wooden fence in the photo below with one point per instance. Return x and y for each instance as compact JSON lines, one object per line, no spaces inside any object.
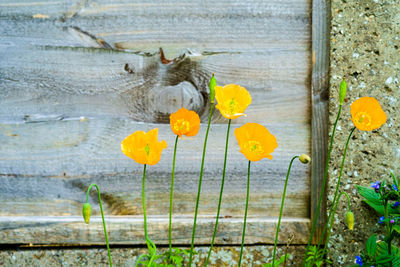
{"x":76,"y":77}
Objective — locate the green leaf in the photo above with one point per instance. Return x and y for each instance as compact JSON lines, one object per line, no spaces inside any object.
{"x":396,"y":261}
{"x":396,"y":228}
{"x":384,"y":259}
{"x":371,"y":198}
{"x":382,"y":249}
{"x":395,"y":181}
{"x":282,"y":259}
{"x":370,"y":246}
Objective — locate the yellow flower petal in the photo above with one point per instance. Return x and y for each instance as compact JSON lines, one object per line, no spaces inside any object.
{"x":232,"y":100}
{"x":143,"y":148}
{"x":367,"y":114}
{"x":185,"y":122}
{"x":255,"y":141}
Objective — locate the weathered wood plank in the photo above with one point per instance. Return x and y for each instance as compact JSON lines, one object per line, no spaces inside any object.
{"x":319,"y":102}
{"x":129,"y":230}
{"x":73,"y":85}
{"x":224,"y":25}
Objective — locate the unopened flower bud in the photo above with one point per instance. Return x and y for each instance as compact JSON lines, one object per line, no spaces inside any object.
{"x":350,"y":220}
{"x":86,"y":212}
{"x":304,"y":158}
{"x":342,"y":92}
{"x":212,"y":84}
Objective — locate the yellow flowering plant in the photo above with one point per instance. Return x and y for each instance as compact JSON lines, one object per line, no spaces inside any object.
{"x":183,"y":122}
{"x":366,"y":115}
{"x":255,"y":143}
{"x":232,"y":101}
{"x":144,"y":148}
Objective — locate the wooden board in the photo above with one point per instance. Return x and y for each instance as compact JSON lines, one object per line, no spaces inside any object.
{"x":76,"y":78}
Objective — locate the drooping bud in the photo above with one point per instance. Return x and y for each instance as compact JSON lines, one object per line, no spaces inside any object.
{"x":350,"y":220}
{"x":304,"y":158}
{"x":342,"y":92}
{"x":86,"y":212}
{"x":212,"y":84}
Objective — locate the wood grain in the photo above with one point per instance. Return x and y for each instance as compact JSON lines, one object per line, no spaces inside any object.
{"x":77,"y":79}
{"x":129,"y":230}
{"x":320,"y":98}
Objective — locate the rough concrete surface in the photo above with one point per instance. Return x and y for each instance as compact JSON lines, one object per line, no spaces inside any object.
{"x":364,"y":50}
{"x":221,"y":256}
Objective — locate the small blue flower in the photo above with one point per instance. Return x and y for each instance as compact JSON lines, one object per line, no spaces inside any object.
{"x":396,"y":204}
{"x":381,"y":219}
{"x":376,"y":186}
{"x":394,"y":187}
{"x":359,"y":260}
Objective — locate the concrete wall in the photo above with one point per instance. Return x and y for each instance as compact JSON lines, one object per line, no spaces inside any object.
{"x":365,"y":50}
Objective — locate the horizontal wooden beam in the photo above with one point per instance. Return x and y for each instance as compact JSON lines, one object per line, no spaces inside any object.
{"x":129,"y":230}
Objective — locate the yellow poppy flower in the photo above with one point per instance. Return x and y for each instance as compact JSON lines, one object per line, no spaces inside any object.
{"x":184,"y":122}
{"x":232,"y":100}
{"x":367,"y":114}
{"x":255,"y":141}
{"x":143,"y":148}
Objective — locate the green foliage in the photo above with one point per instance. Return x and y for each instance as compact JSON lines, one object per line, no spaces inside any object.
{"x":370,"y":246}
{"x":381,"y":197}
{"x":395,"y":180}
{"x":278,"y":262}
{"x":374,"y":200}
{"x":315,"y":257}
{"x":376,"y":254}
{"x":175,"y":259}
{"x":371,"y":198}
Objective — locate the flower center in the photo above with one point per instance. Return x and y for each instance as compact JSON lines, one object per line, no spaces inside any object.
{"x":254,"y":146}
{"x":147,"y":149}
{"x":182,"y":125}
{"x":363,"y":118}
{"x":231,"y":104}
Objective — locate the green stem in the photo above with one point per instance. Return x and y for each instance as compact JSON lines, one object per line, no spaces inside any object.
{"x":245,"y":214}
{"x":316,"y":215}
{"x":332,"y":210}
{"x":336,"y":205}
{"x":144,"y":201}
{"x":171,"y":197}
{"x":220,"y":194}
{"x":331,"y":219}
{"x":148,"y":240}
{"x":388,"y":228}
{"x":199,"y":186}
{"x":281,"y":211}
{"x":102,"y":217}
{"x":348,"y":200}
